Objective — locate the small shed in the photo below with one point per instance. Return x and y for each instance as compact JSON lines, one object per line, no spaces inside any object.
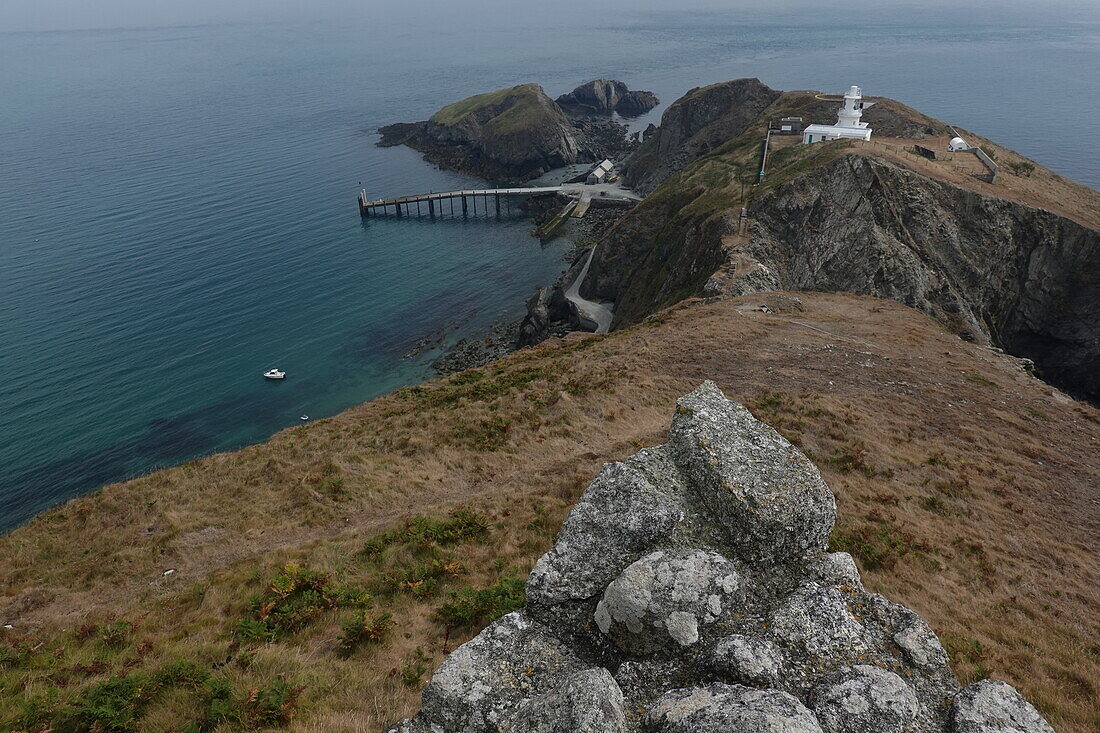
{"x":791,"y":126}
{"x":600,"y":172}
{"x":958,"y":145}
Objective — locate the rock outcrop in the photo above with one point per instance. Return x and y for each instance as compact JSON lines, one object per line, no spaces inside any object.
{"x":993,"y":270}
{"x":510,"y":134}
{"x":691,"y":590}
{"x":604,"y":96}
{"x":695,"y":124}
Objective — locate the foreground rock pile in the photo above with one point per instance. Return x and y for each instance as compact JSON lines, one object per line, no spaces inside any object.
{"x":690,"y":591}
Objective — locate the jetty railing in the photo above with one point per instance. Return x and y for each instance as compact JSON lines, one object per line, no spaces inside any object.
{"x":402,"y":205}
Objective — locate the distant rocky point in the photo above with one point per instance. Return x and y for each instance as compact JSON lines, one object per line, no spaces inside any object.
{"x":519,"y":133}
{"x":604,"y":96}
{"x":690,"y":590}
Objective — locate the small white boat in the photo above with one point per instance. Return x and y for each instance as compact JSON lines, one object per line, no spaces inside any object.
{"x":275,"y":374}
{"x":303,"y":417}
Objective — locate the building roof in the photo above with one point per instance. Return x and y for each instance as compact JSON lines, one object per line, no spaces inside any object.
{"x":860,"y":132}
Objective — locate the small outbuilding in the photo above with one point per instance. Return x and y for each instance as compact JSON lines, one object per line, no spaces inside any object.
{"x":791,"y":126}
{"x":958,"y":145}
{"x":600,"y":173}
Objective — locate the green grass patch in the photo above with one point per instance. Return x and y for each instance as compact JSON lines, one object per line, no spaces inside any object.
{"x":474,"y":608}
{"x":421,"y":532}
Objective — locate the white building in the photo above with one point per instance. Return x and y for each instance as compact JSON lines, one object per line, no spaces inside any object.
{"x":848,"y":124}
{"x":958,"y":145}
{"x":600,"y":172}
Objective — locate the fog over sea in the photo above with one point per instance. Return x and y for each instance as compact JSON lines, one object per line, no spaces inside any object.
{"x":177,"y":200}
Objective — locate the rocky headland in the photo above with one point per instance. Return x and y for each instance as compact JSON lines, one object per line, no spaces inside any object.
{"x":1012,"y":264}
{"x":691,"y":591}
{"x":324,"y":579}
{"x":519,"y":133}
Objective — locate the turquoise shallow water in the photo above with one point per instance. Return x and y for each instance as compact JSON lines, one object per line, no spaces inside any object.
{"x":177,"y":205}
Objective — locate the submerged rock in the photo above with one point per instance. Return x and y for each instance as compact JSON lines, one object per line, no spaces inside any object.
{"x":690,"y":590}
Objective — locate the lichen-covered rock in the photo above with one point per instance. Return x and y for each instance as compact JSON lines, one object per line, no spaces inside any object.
{"x":587,"y":702}
{"x":921,"y":646}
{"x":864,"y":699}
{"x":992,"y":706}
{"x":483,"y":682}
{"x":665,"y":598}
{"x":720,"y":708}
{"x":816,"y":626}
{"x":836,"y":569}
{"x":695,"y":595}
{"x":771,"y":499}
{"x":619,"y":517}
{"x":746,"y":659}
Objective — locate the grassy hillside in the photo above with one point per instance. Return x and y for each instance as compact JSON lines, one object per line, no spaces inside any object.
{"x":320,"y":577}
{"x":503,"y":111}
{"x":669,"y":245}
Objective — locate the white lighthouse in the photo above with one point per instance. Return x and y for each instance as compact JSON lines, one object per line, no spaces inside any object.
{"x":849,"y":123}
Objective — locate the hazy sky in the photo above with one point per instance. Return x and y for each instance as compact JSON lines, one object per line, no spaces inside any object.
{"x":22,"y":15}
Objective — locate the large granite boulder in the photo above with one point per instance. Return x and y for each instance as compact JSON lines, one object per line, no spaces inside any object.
{"x":665,"y":597}
{"x":722,"y":708}
{"x":690,"y":590}
{"x":991,"y":706}
{"x":864,"y":699}
{"x":774,"y":505}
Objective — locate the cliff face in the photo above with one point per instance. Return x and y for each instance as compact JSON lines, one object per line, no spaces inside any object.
{"x":604,"y":96}
{"x":990,"y":269}
{"x":690,"y":590}
{"x":510,"y":134}
{"x":698,"y":122}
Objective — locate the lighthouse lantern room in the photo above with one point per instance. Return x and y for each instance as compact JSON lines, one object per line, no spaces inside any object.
{"x":848,"y":121}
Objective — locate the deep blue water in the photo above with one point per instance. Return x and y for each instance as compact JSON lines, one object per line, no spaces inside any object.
{"x":177,"y":205}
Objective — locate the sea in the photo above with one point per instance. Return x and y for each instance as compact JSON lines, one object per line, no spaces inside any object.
{"x":178,"y":201}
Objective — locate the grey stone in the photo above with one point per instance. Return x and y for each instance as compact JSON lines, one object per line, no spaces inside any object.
{"x":587,"y":702}
{"x":664,"y":599}
{"x":620,"y":516}
{"x":992,"y":706}
{"x":921,"y":646}
{"x":746,"y":659}
{"x":814,"y":624}
{"x":837,"y":569}
{"x":771,"y":499}
{"x":864,"y":699}
{"x":720,"y":708}
{"x":481,"y":683}
{"x":696,"y":597}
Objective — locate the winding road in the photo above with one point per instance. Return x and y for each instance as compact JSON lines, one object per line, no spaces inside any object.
{"x":597,"y":314}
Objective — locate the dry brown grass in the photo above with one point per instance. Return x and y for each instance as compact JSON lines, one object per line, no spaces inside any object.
{"x":968,"y":490}
{"x":1040,"y":188}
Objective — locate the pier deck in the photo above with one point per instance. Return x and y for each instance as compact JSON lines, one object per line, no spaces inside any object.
{"x":401,"y":205}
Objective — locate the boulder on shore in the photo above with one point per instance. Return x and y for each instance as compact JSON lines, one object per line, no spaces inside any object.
{"x":690,"y":590}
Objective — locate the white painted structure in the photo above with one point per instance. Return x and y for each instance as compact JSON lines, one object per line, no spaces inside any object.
{"x":958,"y":145}
{"x":848,"y":123}
{"x":599,"y":173}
